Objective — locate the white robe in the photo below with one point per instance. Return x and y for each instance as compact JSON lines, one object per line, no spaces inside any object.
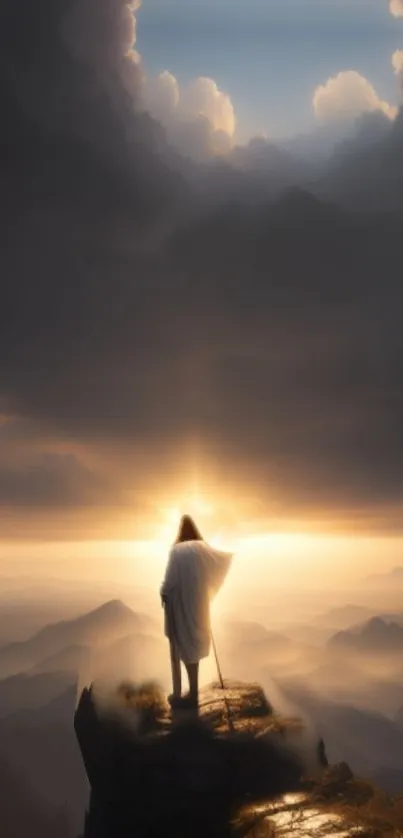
{"x":194,"y":574}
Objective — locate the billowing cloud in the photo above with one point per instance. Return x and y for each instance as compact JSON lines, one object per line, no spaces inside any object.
{"x":396,"y":8}
{"x":199,"y":118}
{"x":146,"y":314}
{"x":104,"y":38}
{"x":161,"y":95}
{"x":346,"y":96}
{"x":202,"y":98}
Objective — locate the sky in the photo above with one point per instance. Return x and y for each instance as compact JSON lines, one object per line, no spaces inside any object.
{"x":195,"y":317}
{"x":270,"y":56}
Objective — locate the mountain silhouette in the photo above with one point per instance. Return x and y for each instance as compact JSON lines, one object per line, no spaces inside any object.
{"x":19,"y":692}
{"x":250,"y":632}
{"x":376,"y":635}
{"x":60,"y":709}
{"x":104,"y":624}
{"x":70,"y":659}
{"x":365,"y":739}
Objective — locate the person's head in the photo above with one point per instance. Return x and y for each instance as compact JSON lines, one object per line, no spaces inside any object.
{"x":188,"y":531}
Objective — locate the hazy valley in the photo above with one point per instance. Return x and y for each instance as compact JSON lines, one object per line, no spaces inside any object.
{"x":341,"y":671}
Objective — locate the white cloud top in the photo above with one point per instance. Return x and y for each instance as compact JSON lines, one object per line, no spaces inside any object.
{"x":346,"y":96}
{"x":396,"y":8}
{"x":199,"y":118}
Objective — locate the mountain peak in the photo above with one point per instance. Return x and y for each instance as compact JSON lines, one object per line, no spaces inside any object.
{"x":376,"y":623}
{"x":114,"y":612}
{"x":105,"y":624}
{"x":375,"y":635}
{"x":113,"y":606}
{"x":379,"y":626}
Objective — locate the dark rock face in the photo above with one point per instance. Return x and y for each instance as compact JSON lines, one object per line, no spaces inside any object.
{"x":182,"y":776}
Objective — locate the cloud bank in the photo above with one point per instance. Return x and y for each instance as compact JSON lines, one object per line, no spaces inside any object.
{"x":199,"y":119}
{"x":156,"y":312}
{"x":346,"y":96}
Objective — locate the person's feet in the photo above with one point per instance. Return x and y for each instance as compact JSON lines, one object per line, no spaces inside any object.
{"x":183,"y":702}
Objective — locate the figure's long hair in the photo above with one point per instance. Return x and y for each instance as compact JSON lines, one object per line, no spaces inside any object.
{"x":188,"y":531}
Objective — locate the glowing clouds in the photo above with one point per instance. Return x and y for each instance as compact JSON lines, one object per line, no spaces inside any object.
{"x":396,"y":8}
{"x":346,"y":96}
{"x":161,"y":96}
{"x":202,"y":98}
{"x":199,"y":119}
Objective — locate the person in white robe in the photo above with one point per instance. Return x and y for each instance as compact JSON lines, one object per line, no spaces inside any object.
{"x":194,"y":574}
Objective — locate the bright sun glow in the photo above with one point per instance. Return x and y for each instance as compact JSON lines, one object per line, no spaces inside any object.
{"x":193,"y":505}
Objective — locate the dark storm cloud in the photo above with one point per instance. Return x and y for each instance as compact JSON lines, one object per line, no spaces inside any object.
{"x":309,"y":391}
{"x":272,"y":328}
{"x":73,"y":132}
{"x":52,"y":480}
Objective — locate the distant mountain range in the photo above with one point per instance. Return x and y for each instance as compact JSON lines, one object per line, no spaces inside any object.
{"x":344,"y":679}
{"x":371,"y":743}
{"x":345,"y":616}
{"x":109,"y":642}
{"x":38,"y":697}
{"x":376,"y":635}
{"x":99,"y":627}
{"x":22,"y":692}
{"x":236,"y":633}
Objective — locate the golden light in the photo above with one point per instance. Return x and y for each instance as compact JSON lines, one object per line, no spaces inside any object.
{"x":191,"y":504}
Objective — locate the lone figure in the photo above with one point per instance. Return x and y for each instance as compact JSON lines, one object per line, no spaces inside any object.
{"x":194,"y":574}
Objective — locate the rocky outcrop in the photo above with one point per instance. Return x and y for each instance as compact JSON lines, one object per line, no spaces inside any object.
{"x":156,"y":774}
